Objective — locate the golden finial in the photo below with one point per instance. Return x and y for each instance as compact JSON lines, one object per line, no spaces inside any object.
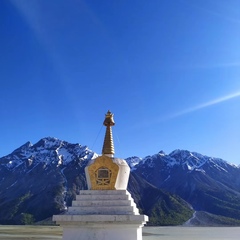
{"x":108,"y":147}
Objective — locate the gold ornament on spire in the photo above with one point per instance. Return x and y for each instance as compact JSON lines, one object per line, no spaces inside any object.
{"x":108,"y":147}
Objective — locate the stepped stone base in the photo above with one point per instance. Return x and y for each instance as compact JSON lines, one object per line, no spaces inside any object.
{"x":102,"y":215}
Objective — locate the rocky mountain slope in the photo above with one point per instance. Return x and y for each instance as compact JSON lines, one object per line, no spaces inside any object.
{"x":208,"y":184}
{"x":37,"y":181}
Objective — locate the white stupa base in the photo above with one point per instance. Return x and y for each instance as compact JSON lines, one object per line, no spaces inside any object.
{"x":103,"y":233}
{"x":103,"y":230}
{"x":102,"y":215}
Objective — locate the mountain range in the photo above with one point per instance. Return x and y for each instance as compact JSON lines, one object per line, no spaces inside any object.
{"x":183,"y":187}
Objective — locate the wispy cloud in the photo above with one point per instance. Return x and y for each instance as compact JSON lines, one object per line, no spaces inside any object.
{"x":209,"y":66}
{"x":205,"y":105}
{"x":187,"y":110}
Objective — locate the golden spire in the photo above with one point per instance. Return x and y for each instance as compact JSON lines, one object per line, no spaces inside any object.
{"x":108,"y":148}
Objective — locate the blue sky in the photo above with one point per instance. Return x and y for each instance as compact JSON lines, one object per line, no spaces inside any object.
{"x":168,"y":70}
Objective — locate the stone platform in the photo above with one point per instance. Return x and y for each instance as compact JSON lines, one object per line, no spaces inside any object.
{"x":102,"y":215}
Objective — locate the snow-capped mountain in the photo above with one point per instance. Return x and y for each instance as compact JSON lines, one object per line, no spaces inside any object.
{"x":37,"y":178}
{"x":162,"y":165}
{"x":42,"y":179}
{"x":208,"y":184}
{"x":133,"y":162}
{"x":48,"y":151}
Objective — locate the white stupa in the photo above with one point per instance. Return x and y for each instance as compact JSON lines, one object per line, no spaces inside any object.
{"x":106,"y":211}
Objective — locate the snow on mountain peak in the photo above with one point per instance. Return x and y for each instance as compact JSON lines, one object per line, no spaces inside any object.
{"x":190,"y":160}
{"x":162,"y":153}
{"x":132,"y":162}
{"x":24,"y":147}
{"x":48,"y":143}
{"x":196,"y":161}
{"x":48,"y":150}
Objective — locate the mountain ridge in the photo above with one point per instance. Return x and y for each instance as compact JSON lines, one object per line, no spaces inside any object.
{"x":52,"y":171}
{"x":208,"y":184}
